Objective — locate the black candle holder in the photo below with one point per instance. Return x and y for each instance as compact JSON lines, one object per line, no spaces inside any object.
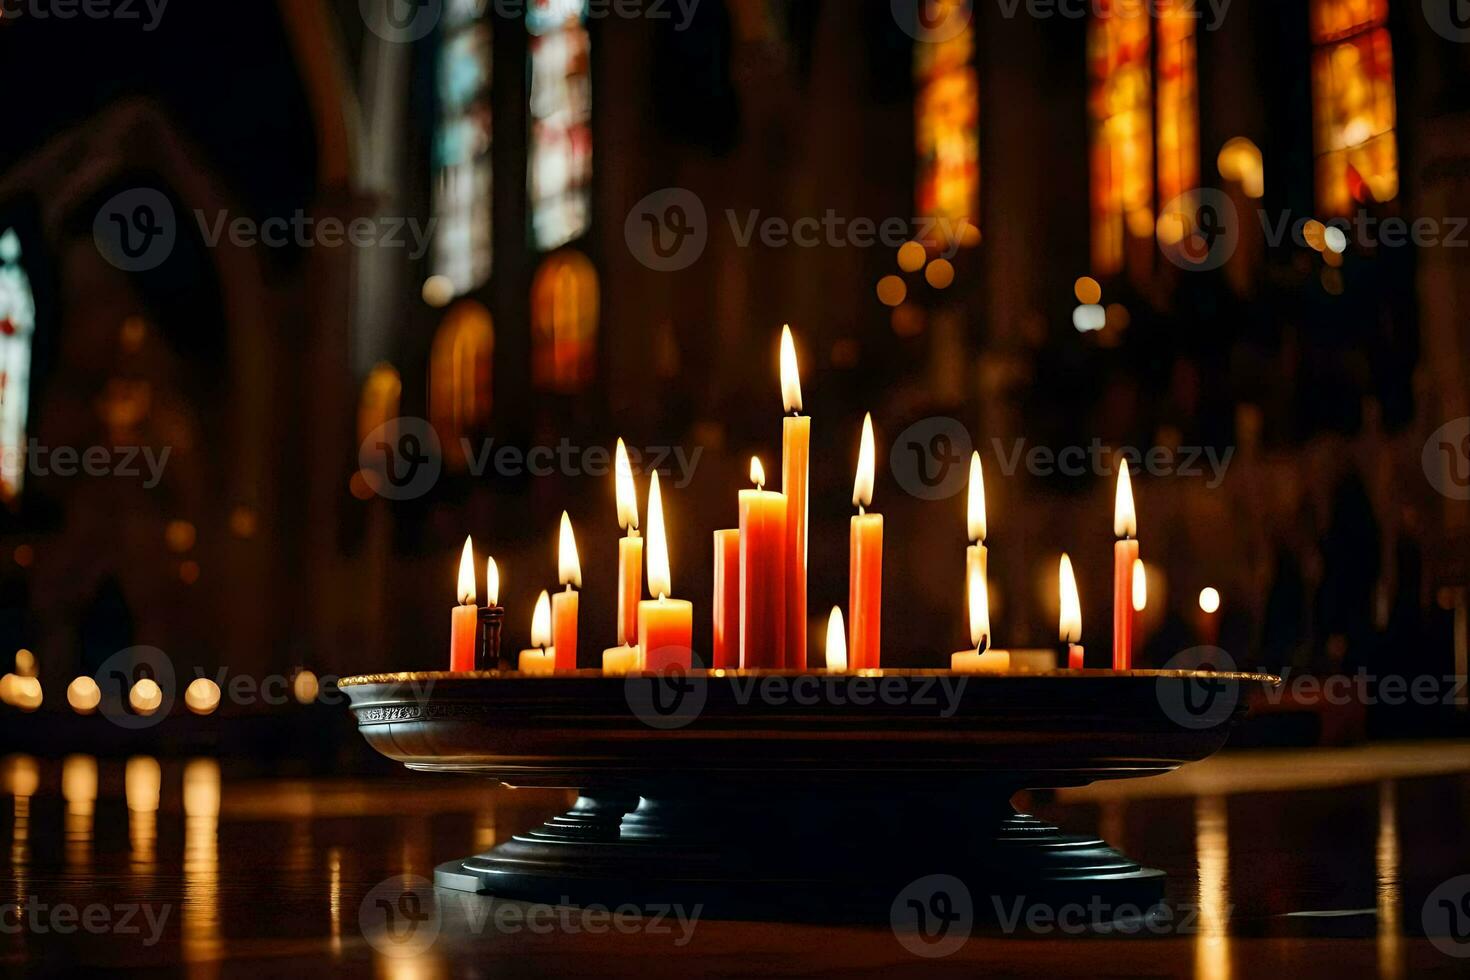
{"x":487,"y":638}
{"x":721,"y":788}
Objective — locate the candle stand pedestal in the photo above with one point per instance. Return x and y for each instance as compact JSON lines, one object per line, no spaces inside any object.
{"x":803,"y":797}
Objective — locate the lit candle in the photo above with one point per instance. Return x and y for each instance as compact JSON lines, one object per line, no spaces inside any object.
{"x":836,"y":643}
{"x":1070,"y":621}
{"x":762,"y":574}
{"x":630,"y":550}
{"x":982,"y":659}
{"x":1209,"y":617}
{"x":565,"y":604}
{"x":727,"y":600}
{"x":977,"y":557}
{"x":466,"y":617}
{"x":865,"y":574}
{"x":540,"y":661}
{"x":622,"y":660}
{"x":665,"y":626}
{"x":1125,"y":553}
{"x":795,"y":479}
{"x":492,"y":618}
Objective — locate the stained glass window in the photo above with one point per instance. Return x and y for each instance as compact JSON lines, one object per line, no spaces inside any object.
{"x":461,"y":368}
{"x":564,"y":315}
{"x":463,"y":178}
{"x":1177,"y":98}
{"x":1120,"y":96}
{"x":947,"y":123}
{"x":1353,"y":96}
{"x":17,"y":326}
{"x":561,"y":122}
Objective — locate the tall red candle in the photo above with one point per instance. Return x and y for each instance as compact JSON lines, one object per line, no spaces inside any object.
{"x":865,"y":572}
{"x":1125,"y":553}
{"x":762,"y":575}
{"x":630,"y":550}
{"x":727,"y":600}
{"x":564,"y":605}
{"x":796,"y":444}
{"x":466,"y":617}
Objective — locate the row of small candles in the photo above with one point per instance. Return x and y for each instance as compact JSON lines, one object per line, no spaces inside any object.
{"x":759,"y":606}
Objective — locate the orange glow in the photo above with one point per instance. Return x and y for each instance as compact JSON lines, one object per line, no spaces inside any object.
{"x":627,"y":490}
{"x":1353,"y":99}
{"x":975,"y":510}
{"x":1209,"y":601}
{"x":979,"y":605}
{"x":940,"y":274}
{"x":1087,"y":291}
{"x":569,"y":563}
{"x":492,"y":583}
{"x":790,"y":373}
{"x":1140,"y":586}
{"x":1125,"y":516}
{"x":660,"y":579}
{"x":836,"y":641}
{"x":1178,"y":117}
{"x":461,"y":372}
{"x":565,"y":303}
{"x":1122,"y":130}
{"x":1240,"y":160}
{"x":1069,"y":622}
{"x":466,"y":588}
{"x":83,"y":695}
{"x":380,"y":400}
{"x":912,"y":256}
{"x":862,"y":487}
{"x":146,"y":697}
{"x":892,"y":291}
{"x":947,"y":126}
{"x":541,"y":622}
{"x":757,"y":473}
{"x":201,"y":696}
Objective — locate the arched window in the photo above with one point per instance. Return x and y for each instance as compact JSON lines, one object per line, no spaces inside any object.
{"x":947,"y":124}
{"x":1353,"y":100}
{"x":463,"y":178}
{"x":1178,"y":113}
{"x":560,"y":165}
{"x":461,"y":372}
{"x":1120,"y":93}
{"x":17,"y":325}
{"x":564,"y":313}
{"x":381,"y":394}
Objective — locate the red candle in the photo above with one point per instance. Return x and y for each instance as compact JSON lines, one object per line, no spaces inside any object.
{"x":466,"y":617}
{"x":727,"y":600}
{"x":1125,"y":553}
{"x":665,"y":626}
{"x":762,"y":575}
{"x":564,"y":605}
{"x":865,"y":575}
{"x":630,"y":551}
{"x":1070,"y":620}
{"x":795,"y":479}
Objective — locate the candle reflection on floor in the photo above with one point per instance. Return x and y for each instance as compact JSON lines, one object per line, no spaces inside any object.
{"x":142,"y":782}
{"x":22,"y":779}
{"x":1386,"y":864}
{"x":79,"y":788}
{"x":200,"y":919}
{"x":334,"y":897}
{"x":1212,"y":955}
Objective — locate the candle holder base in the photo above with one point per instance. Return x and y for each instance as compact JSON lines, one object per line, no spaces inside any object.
{"x":801,"y":796}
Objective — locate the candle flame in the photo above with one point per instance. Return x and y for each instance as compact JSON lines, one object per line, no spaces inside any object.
{"x":1070,"y":621}
{"x":492,"y":583}
{"x":977,"y":500}
{"x":1140,"y":586}
{"x":979,"y":591}
{"x":541,"y":622}
{"x":627,"y":489}
{"x":862,"y":487}
{"x":790,"y":374}
{"x":1125,"y":517}
{"x":836,"y":641}
{"x":1209,"y":601}
{"x":467,"y":574}
{"x":660,"y":584}
{"x":568,"y":562}
{"x":757,"y":473}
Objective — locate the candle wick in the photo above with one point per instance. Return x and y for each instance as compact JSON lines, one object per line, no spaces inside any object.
{"x":862,"y":510}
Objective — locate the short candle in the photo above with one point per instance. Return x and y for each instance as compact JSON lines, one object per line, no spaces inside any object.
{"x":542,"y":660}
{"x":665,"y":626}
